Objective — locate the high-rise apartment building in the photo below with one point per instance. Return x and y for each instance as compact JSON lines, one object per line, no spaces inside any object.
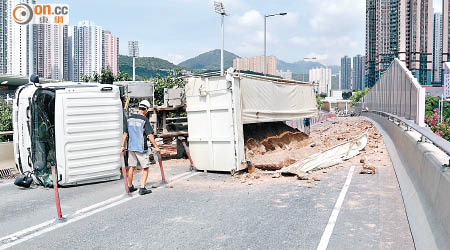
{"x":322,"y":76}
{"x":346,"y":73}
{"x":50,"y":51}
{"x":445,"y":32}
{"x":111,"y":51}
{"x":19,"y":43}
{"x":437,"y":49}
{"x":285,"y":74}
{"x":3,"y":35}
{"x":358,"y":72}
{"x":336,"y":81}
{"x":399,"y":29}
{"x":256,"y":64}
{"x":85,"y":50}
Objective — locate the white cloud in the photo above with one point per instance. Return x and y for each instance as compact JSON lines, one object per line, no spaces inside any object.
{"x":301,"y":41}
{"x":337,"y":17}
{"x":175,"y":58}
{"x":250,"y":19}
{"x":247,"y":32}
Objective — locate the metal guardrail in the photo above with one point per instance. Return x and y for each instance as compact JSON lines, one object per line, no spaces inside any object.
{"x":398,"y":92}
{"x":436,"y":140}
{"x":3,"y":133}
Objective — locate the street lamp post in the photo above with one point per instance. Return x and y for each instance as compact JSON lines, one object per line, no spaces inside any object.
{"x":265,"y":35}
{"x":220,"y":9}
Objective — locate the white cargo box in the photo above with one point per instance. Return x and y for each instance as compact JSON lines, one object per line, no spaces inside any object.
{"x":218,"y":107}
{"x":75,"y":126}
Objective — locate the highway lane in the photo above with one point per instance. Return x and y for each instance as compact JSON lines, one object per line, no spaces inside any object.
{"x":218,"y":211}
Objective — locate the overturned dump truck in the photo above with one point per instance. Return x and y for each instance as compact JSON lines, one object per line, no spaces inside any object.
{"x":76,"y":127}
{"x":221,"y":108}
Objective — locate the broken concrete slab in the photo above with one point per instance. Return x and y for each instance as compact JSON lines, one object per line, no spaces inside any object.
{"x":328,"y":158}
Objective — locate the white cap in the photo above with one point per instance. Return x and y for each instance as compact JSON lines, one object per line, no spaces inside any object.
{"x":144,"y":104}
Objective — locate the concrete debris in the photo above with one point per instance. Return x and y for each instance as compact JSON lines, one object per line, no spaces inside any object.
{"x":315,"y":178}
{"x":273,"y":166}
{"x":303,"y":177}
{"x":366,"y":169}
{"x":276,"y":175}
{"x":330,"y":157}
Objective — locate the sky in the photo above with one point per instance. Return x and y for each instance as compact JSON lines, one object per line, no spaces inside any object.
{"x":177,"y":30}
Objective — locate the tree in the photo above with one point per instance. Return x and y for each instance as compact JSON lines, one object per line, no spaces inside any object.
{"x":441,"y":129}
{"x":85,"y":78}
{"x":122,"y":76}
{"x":95,"y":77}
{"x":5,"y":118}
{"x":357,"y":95}
{"x":432,"y":103}
{"x":106,"y":76}
{"x":319,"y":102}
{"x":172,"y":80}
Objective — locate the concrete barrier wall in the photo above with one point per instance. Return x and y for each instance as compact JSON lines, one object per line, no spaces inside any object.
{"x":7,"y":156}
{"x":424,"y":182}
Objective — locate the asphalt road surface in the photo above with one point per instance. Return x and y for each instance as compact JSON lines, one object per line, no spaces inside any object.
{"x":212,"y":211}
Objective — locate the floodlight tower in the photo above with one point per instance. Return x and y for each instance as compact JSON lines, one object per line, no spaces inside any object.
{"x":220,"y":9}
{"x":133,"y":51}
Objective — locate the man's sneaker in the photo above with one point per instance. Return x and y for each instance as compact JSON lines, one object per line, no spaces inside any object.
{"x":132,"y":189}
{"x":144,"y":191}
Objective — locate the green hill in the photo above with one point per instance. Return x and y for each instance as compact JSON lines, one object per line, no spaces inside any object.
{"x":209,"y":61}
{"x":146,"y":67}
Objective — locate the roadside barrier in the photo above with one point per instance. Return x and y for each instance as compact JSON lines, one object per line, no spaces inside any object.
{"x":299,"y":124}
{"x":189,"y":155}
{"x":159,"y":158}
{"x":124,"y":173}
{"x":55,"y":187}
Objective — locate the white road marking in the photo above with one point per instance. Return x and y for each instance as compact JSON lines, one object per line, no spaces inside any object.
{"x":45,"y":227}
{"x":337,"y":207}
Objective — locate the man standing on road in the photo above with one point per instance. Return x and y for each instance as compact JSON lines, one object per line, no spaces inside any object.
{"x":139,"y":129}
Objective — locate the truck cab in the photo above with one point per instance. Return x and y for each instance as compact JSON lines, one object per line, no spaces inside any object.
{"x":76,"y":127}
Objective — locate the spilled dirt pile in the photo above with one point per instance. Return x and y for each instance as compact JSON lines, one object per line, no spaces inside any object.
{"x":264,"y":138}
{"x":330,"y":133}
{"x":272,"y":146}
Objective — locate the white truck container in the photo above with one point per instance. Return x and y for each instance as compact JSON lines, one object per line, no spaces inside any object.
{"x":75,"y":126}
{"x":219,"y":106}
